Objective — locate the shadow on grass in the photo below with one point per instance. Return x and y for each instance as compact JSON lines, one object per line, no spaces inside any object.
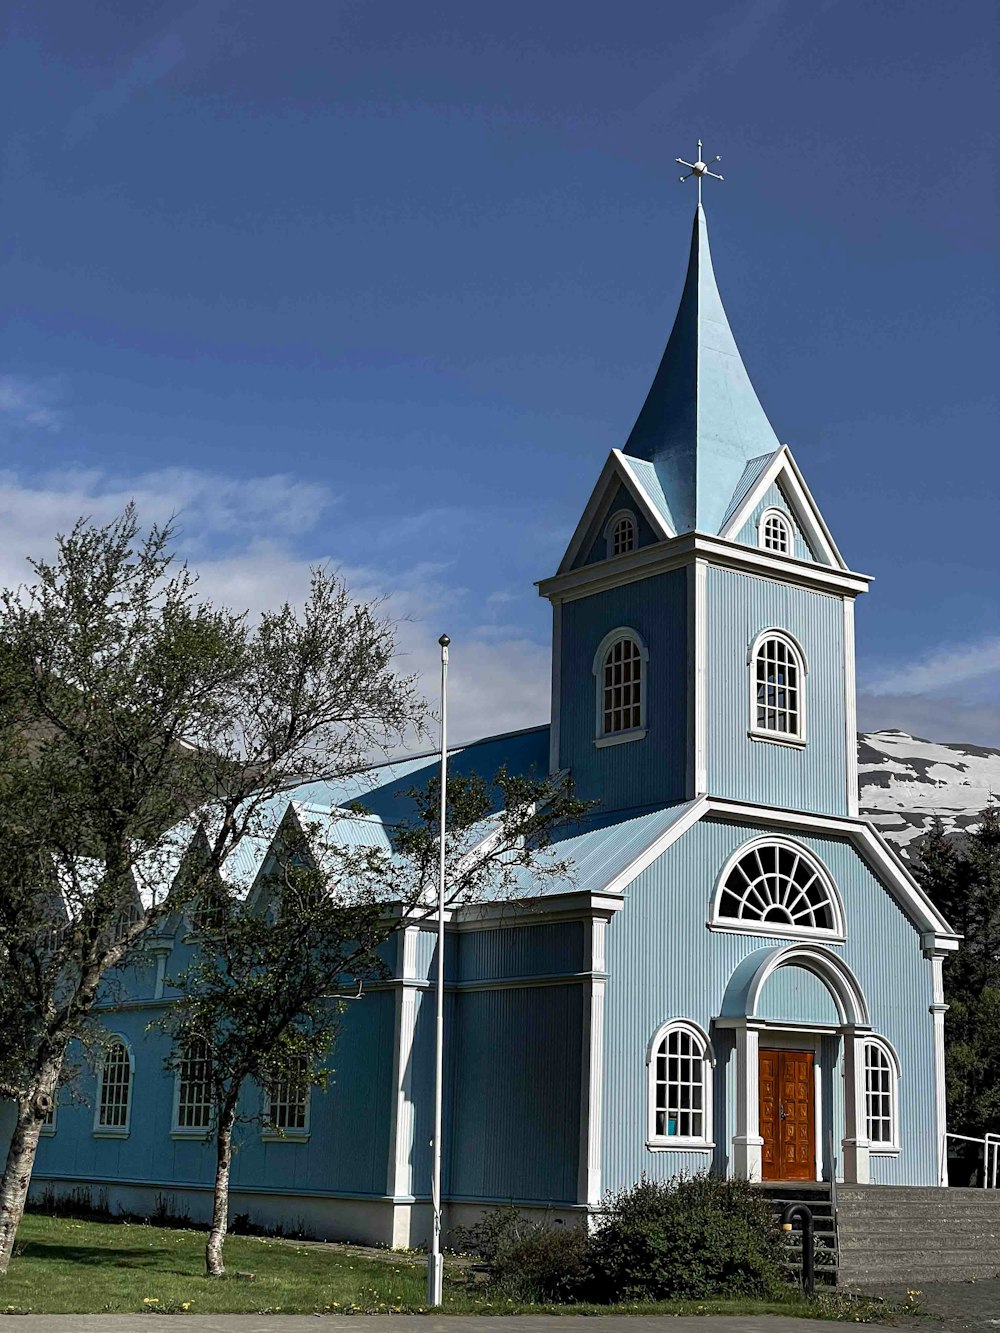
{"x":104,"y":1255}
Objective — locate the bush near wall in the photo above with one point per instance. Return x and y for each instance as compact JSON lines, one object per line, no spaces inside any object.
{"x":692,"y":1237}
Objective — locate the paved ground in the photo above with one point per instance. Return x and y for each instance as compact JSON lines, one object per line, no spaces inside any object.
{"x":957,"y":1306}
{"x":292,"y":1323}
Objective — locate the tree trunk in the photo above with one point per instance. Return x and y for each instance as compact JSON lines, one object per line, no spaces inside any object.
{"x":220,"y":1201}
{"x":31,"y":1112}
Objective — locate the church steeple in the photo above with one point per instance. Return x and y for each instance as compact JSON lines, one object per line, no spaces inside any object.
{"x":701,"y":422}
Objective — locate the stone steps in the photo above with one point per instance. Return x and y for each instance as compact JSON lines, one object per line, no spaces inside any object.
{"x":914,"y":1234}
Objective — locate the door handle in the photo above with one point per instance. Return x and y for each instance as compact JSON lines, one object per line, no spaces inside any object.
{"x":781,"y":1113}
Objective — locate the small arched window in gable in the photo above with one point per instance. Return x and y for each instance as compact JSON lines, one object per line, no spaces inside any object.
{"x":881,"y":1096}
{"x":776,"y":887}
{"x":621,"y":534}
{"x":777,"y":688}
{"x":774,"y":532}
{"x":620,"y":668}
{"x":114,"y":1090}
{"x":680,"y":1062}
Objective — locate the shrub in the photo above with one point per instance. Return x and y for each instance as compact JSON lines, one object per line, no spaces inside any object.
{"x":529,"y":1260}
{"x":690,"y":1237}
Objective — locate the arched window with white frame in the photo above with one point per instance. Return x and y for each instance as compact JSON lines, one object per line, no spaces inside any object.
{"x":881,"y":1074}
{"x":620,"y":669}
{"x":774,"y":533}
{"x":113,"y":1103}
{"x":680,"y":1061}
{"x":621,"y":533}
{"x":776,"y":886}
{"x":777,"y":688}
{"x":193,"y":1088}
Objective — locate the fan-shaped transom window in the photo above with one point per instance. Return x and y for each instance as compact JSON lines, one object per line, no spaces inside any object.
{"x":777,"y":687}
{"x":114,"y":1092}
{"x":621,"y":535}
{"x":776,"y":887}
{"x":775,"y":532}
{"x":680,"y":1086}
{"x":881,"y":1112}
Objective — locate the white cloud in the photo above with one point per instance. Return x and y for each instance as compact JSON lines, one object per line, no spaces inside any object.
{"x":939,"y":670}
{"x":25,"y":402}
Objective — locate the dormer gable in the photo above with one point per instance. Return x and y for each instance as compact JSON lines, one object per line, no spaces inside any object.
{"x":772,"y":488}
{"x":626,"y":489}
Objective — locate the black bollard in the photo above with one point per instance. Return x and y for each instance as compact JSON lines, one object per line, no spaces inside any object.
{"x":804,"y":1214}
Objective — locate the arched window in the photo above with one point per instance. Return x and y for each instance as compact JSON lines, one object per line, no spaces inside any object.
{"x":881,"y":1096}
{"x":620,"y":665}
{"x":620,"y":533}
{"x":193,"y":1090}
{"x":680,"y":1062}
{"x":112,"y":1113}
{"x":777,"y":688}
{"x":774,"y":532}
{"x":774,"y":886}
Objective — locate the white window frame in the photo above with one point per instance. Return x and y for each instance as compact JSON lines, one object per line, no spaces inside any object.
{"x":882,"y":1148}
{"x":779,"y":929}
{"x":609,"y":532}
{"x":773,"y":512}
{"x":48,"y":1126}
{"x":601,"y":737}
{"x":796,"y":740}
{"x":114,"y":1131}
{"x":179,"y":1131}
{"x":676,"y":1142}
{"x":274,"y":1134}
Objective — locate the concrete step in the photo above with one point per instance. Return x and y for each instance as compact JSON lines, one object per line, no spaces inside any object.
{"x":916,"y":1274}
{"x":976,"y":1242}
{"x":912,"y":1193}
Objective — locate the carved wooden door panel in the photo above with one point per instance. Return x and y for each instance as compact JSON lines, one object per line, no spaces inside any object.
{"x":787,"y":1115}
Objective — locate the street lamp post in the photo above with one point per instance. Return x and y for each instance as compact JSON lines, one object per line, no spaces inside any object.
{"x":435,"y":1263}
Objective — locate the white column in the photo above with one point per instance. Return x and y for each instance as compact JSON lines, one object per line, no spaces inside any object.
{"x":592,"y":1070}
{"x":857,"y":1167}
{"x":400,"y":1183}
{"x":747,"y":1142}
{"x":938,"y":1010}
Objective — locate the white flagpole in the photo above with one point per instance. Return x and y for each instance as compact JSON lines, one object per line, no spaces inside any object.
{"x":435,"y":1262}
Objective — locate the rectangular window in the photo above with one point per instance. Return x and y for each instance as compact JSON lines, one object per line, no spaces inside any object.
{"x":194,"y":1088}
{"x":288,"y":1102}
{"x":115,"y":1087}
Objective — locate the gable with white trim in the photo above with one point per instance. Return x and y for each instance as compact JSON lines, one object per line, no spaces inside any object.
{"x":781,"y":485}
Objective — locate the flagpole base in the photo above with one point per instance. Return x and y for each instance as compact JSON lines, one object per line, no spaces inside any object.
{"x":435,"y":1279}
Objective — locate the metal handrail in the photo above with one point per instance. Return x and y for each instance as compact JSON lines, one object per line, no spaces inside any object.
{"x":991,"y":1157}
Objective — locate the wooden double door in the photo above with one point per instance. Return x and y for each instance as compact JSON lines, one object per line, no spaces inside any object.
{"x":788,"y":1115}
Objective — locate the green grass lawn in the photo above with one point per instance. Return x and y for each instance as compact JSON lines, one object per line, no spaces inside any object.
{"x":65,"y":1266}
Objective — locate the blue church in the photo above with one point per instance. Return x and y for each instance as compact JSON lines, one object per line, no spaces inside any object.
{"x":739,"y":977}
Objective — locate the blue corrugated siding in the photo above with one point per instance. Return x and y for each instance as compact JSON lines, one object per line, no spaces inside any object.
{"x":663,"y":963}
{"x":349,"y":1123}
{"x":595,"y":545}
{"x":774,"y":498}
{"x":647,"y":772}
{"x":520,"y":951}
{"x":516,"y":1103}
{"x":811,"y":778}
{"x":792,"y":993}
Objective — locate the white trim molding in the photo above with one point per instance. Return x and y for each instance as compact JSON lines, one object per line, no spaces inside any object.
{"x":614,"y":473}
{"x":850,"y":710}
{"x":656,"y":1142}
{"x":836,"y":932}
{"x":555,"y":725}
{"x":799,"y":500}
{"x":589,"y":1172}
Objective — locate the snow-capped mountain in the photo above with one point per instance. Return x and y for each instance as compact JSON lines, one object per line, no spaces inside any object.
{"x":905,"y":783}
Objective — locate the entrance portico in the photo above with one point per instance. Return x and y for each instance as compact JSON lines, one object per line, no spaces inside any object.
{"x":796,"y":1011}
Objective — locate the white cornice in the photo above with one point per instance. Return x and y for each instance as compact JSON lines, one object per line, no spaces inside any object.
{"x":665,"y":556}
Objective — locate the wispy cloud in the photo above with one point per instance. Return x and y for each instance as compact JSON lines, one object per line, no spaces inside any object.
{"x":26,"y":402}
{"x":146,"y":67}
{"x":939,"y":670}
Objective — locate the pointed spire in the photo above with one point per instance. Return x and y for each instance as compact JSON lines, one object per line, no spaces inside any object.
{"x":701,"y":422}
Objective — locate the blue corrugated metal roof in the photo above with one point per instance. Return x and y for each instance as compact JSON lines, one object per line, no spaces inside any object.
{"x":752,"y":474}
{"x":645,"y":474}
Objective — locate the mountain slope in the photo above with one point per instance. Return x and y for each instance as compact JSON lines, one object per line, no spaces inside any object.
{"x":905,"y":783}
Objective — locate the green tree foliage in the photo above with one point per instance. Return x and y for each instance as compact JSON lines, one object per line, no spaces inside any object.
{"x":127,"y":703}
{"x":964,"y":882}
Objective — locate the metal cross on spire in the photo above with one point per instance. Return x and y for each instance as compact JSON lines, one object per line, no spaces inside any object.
{"x":699,"y":169}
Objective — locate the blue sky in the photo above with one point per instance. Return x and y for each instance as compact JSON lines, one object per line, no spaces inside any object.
{"x":381,"y":283}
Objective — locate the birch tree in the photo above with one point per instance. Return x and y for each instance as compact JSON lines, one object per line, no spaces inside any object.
{"x":128,"y":703}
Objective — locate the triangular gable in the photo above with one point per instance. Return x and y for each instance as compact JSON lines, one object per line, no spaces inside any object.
{"x":783,"y":471}
{"x":775,"y":498}
{"x":619,"y":473}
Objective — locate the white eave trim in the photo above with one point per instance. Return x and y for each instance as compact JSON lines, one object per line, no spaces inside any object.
{"x":803,"y":506}
{"x":615,"y":469}
{"x":661,"y":558}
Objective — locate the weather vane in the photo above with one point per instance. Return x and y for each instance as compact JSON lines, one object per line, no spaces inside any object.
{"x":699,"y":169}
